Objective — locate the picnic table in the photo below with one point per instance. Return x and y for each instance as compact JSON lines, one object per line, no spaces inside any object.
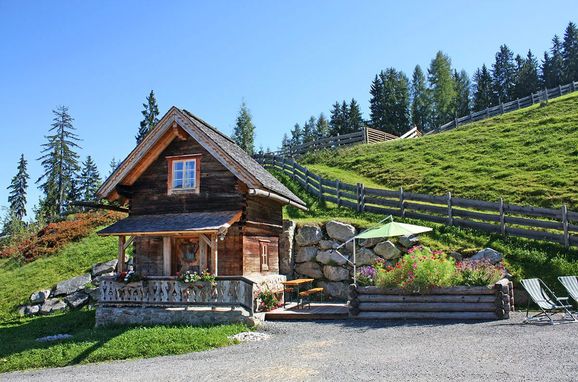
{"x":295,"y":287}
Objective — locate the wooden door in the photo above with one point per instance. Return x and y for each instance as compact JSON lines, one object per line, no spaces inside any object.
{"x":186,"y":255}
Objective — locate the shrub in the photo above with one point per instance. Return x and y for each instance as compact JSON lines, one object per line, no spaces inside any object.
{"x":268,"y":300}
{"x":478,"y":273}
{"x":366,"y":275}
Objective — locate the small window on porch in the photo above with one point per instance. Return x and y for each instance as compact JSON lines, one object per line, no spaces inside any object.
{"x":184,"y":173}
{"x":264,"y":251}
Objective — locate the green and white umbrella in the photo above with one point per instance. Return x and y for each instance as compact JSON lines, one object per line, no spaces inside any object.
{"x":391,"y":229}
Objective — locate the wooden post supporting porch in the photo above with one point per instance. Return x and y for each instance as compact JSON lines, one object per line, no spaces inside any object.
{"x":121,"y":253}
{"x":167,"y":255}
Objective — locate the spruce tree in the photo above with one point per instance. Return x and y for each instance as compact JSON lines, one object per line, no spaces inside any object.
{"x":346,"y":128}
{"x":285,"y":143}
{"x":553,"y":65}
{"x":113,"y":165}
{"x":89,"y":181}
{"x":420,"y":100}
{"x":503,"y":75}
{"x":376,"y":109}
{"x":462,"y":100}
{"x":309,"y":133}
{"x":443,"y":89}
{"x":322,"y":127}
{"x":150,"y":117}
{"x":60,"y":162}
{"x":570,"y":53}
{"x":18,"y":189}
{"x":338,"y":118}
{"x":389,"y":103}
{"x":482,"y":88}
{"x":296,"y":136}
{"x":527,"y":79}
{"x":355,"y":118}
{"x":244,"y":131}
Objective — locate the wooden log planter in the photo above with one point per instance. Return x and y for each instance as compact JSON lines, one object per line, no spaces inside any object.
{"x":452,"y":303}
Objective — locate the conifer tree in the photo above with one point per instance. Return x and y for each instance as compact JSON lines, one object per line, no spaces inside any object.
{"x":355,"y":118}
{"x":150,"y":117}
{"x":482,"y":88}
{"x":462,"y":100}
{"x":322,"y":126}
{"x":376,"y":109}
{"x":18,"y":189}
{"x":389,"y":103}
{"x":570,"y":53}
{"x":503,"y":75}
{"x":60,"y":162}
{"x":113,"y":165}
{"x":244,"y":131}
{"x":338,"y":120}
{"x":553,"y":65}
{"x":420,"y":100}
{"x":527,"y":79}
{"x":309,"y":133}
{"x":285,"y":143}
{"x":89,"y":181}
{"x":443,"y":88}
{"x":296,"y":136}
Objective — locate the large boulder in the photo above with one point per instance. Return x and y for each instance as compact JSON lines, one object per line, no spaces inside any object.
{"x":365,"y":256}
{"x":28,"y":310}
{"x":328,"y":244}
{"x":93,"y":293}
{"x":339,"y":231}
{"x":339,"y":290}
{"x":310,"y":269}
{"x":286,"y":247}
{"x":330,"y":257}
{"x":308,"y":235}
{"x":370,"y":243}
{"x":52,"y":305}
{"x":408,"y":241}
{"x":387,"y":250}
{"x":71,"y":285}
{"x":488,"y":254}
{"x":40,"y":296}
{"x":305,"y":254}
{"x":102,"y":268}
{"x":335,"y":273}
{"x":76,"y":299}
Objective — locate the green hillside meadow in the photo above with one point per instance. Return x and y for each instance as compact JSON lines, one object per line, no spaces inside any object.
{"x":528,"y":157}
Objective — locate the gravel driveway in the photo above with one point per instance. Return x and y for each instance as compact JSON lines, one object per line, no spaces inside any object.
{"x":360,"y":350}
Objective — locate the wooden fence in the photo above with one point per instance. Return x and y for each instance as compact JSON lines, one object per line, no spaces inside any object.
{"x":366,"y":135}
{"x":554,"y":225}
{"x":540,"y":96}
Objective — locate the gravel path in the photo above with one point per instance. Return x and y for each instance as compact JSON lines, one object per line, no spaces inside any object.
{"x":357,"y":351}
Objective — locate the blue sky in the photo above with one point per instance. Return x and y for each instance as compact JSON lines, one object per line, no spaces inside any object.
{"x":287,"y":60}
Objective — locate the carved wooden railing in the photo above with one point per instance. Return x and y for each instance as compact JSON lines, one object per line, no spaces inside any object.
{"x":168,"y":291}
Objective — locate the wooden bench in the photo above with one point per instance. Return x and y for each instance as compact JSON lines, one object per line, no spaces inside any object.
{"x":307,"y":294}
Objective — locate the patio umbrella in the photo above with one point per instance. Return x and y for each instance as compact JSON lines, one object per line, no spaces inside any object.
{"x":390,"y":229}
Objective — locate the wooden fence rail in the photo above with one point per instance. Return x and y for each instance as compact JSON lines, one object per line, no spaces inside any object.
{"x":540,"y":96}
{"x":554,"y":225}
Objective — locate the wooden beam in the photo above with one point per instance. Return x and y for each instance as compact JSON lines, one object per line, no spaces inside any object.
{"x":214,"y":254}
{"x":121,"y":257}
{"x":166,"y":255}
{"x":128,"y":242}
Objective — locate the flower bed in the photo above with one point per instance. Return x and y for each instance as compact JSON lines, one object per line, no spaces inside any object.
{"x":426,"y":284}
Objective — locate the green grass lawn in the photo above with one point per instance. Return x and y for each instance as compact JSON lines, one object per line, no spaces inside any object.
{"x":529,"y":156}
{"x":19,"y":349}
{"x":524,"y":258}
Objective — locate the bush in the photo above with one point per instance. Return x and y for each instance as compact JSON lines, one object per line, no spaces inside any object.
{"x":366,"y":275}
{"x":479,"y":273}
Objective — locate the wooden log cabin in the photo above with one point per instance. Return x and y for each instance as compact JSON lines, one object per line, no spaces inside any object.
{"x":196,"y":202}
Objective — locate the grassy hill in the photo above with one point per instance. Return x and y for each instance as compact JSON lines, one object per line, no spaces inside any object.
{"x":529,"y":156}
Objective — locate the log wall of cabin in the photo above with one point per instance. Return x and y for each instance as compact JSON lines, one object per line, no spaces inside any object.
{"x":219,"y":189}
{"x":262,"y":217}
{"x":252,"y":254}
{"x":230,"y":252}
{"x":148,"y":256}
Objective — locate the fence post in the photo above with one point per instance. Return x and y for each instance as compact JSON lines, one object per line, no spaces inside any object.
{"x":358,"y":197}
{"x":366,"y":135}
{"x":502,"y":217}
{"x":532,"y":96}
{"x":450,"y":214}
{"x":566,"y":238}
{"x":573,"y":86}
{"x":401,"y":201}
{"x":319,"y":180}
{"x":518,"y":103}
{"x":546,"y":92}
{"x":306,"y":179}
{"x":487,"y":112}
{"x":293,"y":169}
{"x":455,"y":122}
{"x":362,"y":198}
{"x":501,"y":107}
{"x":560,"y":89}
{"x":338,"y":191}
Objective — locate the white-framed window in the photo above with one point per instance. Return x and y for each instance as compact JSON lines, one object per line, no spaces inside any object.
{"x":184,"y":174}
{"x":264,"y":251}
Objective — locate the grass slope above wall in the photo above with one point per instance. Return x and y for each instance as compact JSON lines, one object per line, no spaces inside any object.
{"x":529,"y":156}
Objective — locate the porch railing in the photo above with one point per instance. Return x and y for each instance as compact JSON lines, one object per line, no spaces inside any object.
{"x":168,"y":291}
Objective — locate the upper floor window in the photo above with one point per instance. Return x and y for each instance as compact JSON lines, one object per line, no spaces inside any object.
{"x":184,"y":173}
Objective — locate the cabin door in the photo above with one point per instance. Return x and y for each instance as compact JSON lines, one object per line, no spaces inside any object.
{"x":189,"y":254}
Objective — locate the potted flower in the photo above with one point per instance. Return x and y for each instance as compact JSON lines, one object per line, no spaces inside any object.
{"x":194,"y":279}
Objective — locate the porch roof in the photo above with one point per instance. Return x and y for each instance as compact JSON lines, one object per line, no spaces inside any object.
{"x":193,"y":222}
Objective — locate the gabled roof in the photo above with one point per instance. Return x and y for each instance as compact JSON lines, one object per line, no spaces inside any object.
{"x":231,"y":156}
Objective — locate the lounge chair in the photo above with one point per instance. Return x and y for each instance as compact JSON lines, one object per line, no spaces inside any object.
{"x":548,"y":303}
{"x":570,"y":283}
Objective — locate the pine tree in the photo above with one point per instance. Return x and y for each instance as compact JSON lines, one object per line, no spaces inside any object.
{"x":309,"y":133}
{"x":443,"y":88}
{"x":244,"y":131}
{"x":322,"y":126}
{"x":89,"y":181}
{"x":60,"y":163}
{"x":527,"y":79}
{"x":18,"y":189}
{"x":553,"y":65}
{"x":482,"y":88}
{"x":570,"y":53}
{"x":462,"y":100}
{"x":296,"y":136}
{"x":420,"y":100}
{"x":355,"y":118}
{"x":503,"y":75}
{"x":150,"y":117}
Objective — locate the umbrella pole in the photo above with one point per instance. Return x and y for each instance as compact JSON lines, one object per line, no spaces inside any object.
{"x":354,"y":264}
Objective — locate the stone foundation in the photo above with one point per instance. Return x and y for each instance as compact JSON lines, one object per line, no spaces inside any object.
{"x":128,"y":315}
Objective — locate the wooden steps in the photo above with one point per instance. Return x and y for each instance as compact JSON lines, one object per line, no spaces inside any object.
{"x":317,"y":311}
